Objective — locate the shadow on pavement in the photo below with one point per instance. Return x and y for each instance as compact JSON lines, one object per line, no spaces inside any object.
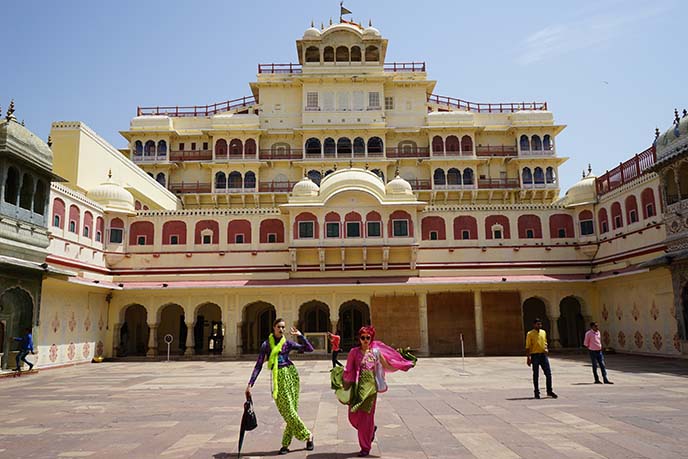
{"x":634,"y":363}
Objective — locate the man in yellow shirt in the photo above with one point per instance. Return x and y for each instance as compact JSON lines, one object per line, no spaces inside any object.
{"x":536,"y":352}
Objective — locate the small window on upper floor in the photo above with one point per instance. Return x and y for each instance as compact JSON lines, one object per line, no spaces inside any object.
{"x":238,"y":238}
{"x":353,"y":229}
{"x":87,"y":231}
{"x":586,"y":227}
{"x":373,"y":101}
{"x":389,"y":103}
{"x":332,"y":229}
{"x":174,"y":239}
{"x":116,"y":235}
{"x":205,"y":145}
{"x":99,"y":236}
{"x":207,"y":239}
{"x":374,"y":229}
{"x":193,"y":146}
{"x":306,"y":230}
{"x":181,"y":146}
{"x":465,"y":234}
{"x":530,"y":234}
{"x":434,"y":235}
{"x":72,"y":226}
{"x":633,"y":216}
{"x":561,"y":232}
{"x":496,"y":232}
{"x":56,"y":221}
{"x":400,"y":228}
{"x":650,"y":209}
{"x":272,"y":238}
{"x":617,"y":222}
{"x":605,"y":227}
{"x":312,"y":100}
{"x":140,"y":240}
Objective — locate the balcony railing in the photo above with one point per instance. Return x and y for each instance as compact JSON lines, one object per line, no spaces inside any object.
{"x":148,"y":159}
{"x":408,"y":152}
{"x":234,"y":156}
{"x":298,"y":68}
{"x":454,"y":153}
{"x":495,"y":150}
{"x":199,"y":110}
{"x":420,"y":184}
{"x":454,"y":186}
{"x":404,"y":66}
{"x":510,"y":107}
{"x":549,"y":152}
{"x":344,"y":155}
{"x":191,"y":155}
{"x":275,"y":187}
{"x":236,"y":190}
{"x":538,"y":185}
{"x":269,"y":154}
{"x":190,"y":187}
{"x":500,"y":183}
{"x":626,"y":172}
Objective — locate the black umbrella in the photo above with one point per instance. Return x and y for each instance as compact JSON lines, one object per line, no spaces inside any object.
{"x":248,"y":422}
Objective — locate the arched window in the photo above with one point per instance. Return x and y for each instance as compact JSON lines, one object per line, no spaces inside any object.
{"x":207,"y":232}
{"x":160,"y":178}
{"x":26,"y":194}
{"x":221,"y":148}
{"x":525,"y":143}
{"x":527,"y":175}
{"x":58,"y":213}
{"x":671,"y":189}
{"x":138,"y":148}
{"x":529,"y":227}
{"x":379,"y":173}
{"x":468,"y":177}
{"x":560,"y":226}
{"x":239,"y":232}
{"x":465,"y":228}
{"x":375,"y":145}
{"x":617,"y":218}
{"x":536,"y":143}
{"x":547,"y":142}
{"x":149,"y":150}
{"x":359,"y":146}
{"x":271,"y":231}
{"x":333,"y":225}
{"x":647,"y":200}
{"x":407,"y":146}
{"x":631,"y":209}
{"x":433,"y":229}
{"x":313,"y":146}
{"x":315,"y":176}
{"x":220,"y":180}
{"x":330,"y":146}
{"x":250,"y":180}
{"x":116,"y":231}
{"x":39,"y":198}
{"x":235,"y":147}
{"x":74,"y":217}
{"x":497,"y":227}
{"x":603,"y":221}
{"x":467,"y":144}
{"x":587,"y":226}
{"x":437,"y":144}
{"x":372,"y":54}
{"x":355,"y":54}
{"x":373,"y":225}
{"x":328,"y":54}
{"x":174,"y":232}
{"x":344,"y":146}
{"x":100,"y":227}
{"x":453,"y":176}
{"x":342,"y":54}
{"x":312,"y":54}
{"x":280,"y":149}
{"x":141,"y":233}
{"x":549,"y":175}
{"x":162,"y":148}
{"x":87,"y":230}
{"x":250,"y":148}
{"x":12,"y":186}
{"x":538,"y":175}
{"x":400,"y":224}
{"x":234,"y":181}
{"x":438,"y":177}
{"x":452,"y":144}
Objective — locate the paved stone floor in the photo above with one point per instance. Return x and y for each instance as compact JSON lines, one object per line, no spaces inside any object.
{"x":437,"y":410}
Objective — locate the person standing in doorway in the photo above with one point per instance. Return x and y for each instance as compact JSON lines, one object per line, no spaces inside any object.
{"x":594,"y":344}
{"x":285,"y":381}
{"x":536,"y":355}
{"x":25,"y":347}
{"x":334,"y":344}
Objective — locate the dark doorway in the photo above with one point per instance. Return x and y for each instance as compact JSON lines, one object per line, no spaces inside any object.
{"x":256,"y":325}
{"x":571,"y":323}
{"x":352,"y":316}
{"x":535,"y":308}
{"x":314,"y":316}
{"x":134,"y":331}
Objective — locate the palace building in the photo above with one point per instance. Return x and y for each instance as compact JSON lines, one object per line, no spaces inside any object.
{"x":344,"y":191}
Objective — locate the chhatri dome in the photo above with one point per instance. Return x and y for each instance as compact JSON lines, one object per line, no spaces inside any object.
{"x":674,"y":139}
{"x":583,"y":192}
{"x":112,"y":196}
{"x":398,"y":186}
{"x":305,"y":187}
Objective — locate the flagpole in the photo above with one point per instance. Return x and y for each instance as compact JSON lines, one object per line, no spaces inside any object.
{"x":341,"y":4}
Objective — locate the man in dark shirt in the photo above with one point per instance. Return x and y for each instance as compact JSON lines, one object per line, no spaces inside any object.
{"x":25,"y":347}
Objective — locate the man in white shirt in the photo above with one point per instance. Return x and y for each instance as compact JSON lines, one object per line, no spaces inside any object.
{"x":594,"y":344}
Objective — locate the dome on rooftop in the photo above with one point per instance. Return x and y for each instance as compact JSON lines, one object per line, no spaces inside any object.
{"x":582,"y":193}
{"x":675,"y":138}
{"x":398,"y":186}
{"x":311,"y":33}
{"x":305,"y":187}
{"x":371,"y":32}
{"x":113,"y":197}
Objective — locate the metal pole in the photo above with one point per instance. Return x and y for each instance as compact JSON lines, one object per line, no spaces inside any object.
{"x":463,"y":359}
{"x":168,"y":339}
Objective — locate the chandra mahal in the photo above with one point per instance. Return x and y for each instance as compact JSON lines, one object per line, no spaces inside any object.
{"x":342,"y":191}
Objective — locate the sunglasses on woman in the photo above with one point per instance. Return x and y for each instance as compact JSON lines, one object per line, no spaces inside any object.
{"x":365,"y":338}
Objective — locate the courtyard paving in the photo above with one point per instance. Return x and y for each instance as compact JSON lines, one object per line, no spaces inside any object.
{"x":439,"y":409}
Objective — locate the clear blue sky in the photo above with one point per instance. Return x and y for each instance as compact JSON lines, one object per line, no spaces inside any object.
{"x":611,"y":70}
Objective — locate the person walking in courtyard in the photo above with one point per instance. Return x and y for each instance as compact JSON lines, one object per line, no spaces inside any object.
{"x":25,"y":346}
{"x":364,"y":375}
{"x":334,"y":344}
{"x":536,"y":355}
{"x":594,"y":344}
{"x":284,"y":381}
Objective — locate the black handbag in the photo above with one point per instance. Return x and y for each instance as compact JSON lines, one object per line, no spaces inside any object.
{"x":249,"y":420}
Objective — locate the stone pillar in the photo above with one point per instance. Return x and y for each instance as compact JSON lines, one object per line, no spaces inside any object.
{"x":479,"y":331}
{"x":152,"y":340}
{"x":554,"y":328}
{"x":423,"y":323}
{"x":189,"y":339}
